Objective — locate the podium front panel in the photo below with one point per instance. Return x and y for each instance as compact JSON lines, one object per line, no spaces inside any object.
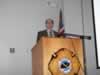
{"x":61,"y":56}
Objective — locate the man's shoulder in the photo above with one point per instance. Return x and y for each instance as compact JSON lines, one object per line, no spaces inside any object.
{"x":42,"y":31}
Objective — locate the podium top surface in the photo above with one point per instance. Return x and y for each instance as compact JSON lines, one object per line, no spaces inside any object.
{"x":60,"y":38}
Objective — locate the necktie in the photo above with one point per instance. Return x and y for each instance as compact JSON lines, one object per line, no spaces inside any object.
{"x":50,"y":33}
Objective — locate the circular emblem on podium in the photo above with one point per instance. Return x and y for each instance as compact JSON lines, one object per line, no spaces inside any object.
{"x":63,"y":62}
{"x":65,"y":65}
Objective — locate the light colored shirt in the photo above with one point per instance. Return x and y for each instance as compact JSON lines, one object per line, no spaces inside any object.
{"x":52,"y":32}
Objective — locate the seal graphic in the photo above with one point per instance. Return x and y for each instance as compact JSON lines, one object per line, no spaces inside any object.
{"x":64,"y":63}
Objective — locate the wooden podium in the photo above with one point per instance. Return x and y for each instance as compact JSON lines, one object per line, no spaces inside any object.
{"x":47,"y":48}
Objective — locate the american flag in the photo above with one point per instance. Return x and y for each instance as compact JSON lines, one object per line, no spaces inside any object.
{"x":61,"y":29}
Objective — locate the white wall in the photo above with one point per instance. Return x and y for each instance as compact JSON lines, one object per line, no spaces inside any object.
{"x":90,"y":48}
{"x":73,"y":16}
{"x":20,"y":20}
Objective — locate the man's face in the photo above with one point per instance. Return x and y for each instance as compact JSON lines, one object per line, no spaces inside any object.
{"x":49,"y":24}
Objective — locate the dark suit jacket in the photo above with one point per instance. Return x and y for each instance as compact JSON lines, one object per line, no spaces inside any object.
{"x":44,"y":33}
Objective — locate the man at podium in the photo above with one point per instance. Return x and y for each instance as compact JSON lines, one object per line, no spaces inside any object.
{"x":48,"y":32}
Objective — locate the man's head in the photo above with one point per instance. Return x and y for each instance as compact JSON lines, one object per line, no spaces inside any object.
{"x":49,"y":23}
